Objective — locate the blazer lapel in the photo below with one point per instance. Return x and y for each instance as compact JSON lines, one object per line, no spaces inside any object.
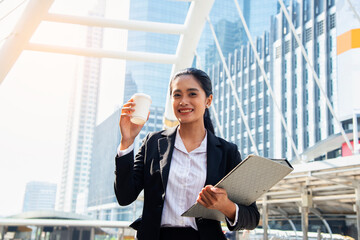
{"x":214,"y":159}
{"x":165,"y":148}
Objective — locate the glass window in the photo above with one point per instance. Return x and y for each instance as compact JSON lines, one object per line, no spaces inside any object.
{"x":332,"y":21}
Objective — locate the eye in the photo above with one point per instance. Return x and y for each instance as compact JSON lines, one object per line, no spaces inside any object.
{"x":192,"y":94}
{"x":176,"y":95}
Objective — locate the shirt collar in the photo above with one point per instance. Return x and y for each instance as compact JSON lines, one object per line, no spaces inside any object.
{"x":179,"y":144}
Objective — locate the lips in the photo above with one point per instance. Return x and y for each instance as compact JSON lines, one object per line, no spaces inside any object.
{"x":185,"y":110}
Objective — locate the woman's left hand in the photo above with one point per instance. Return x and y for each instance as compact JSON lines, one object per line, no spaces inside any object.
{"x":217,"y":198}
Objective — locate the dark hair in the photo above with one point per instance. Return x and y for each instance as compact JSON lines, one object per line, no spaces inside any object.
{"x":205,"y":83}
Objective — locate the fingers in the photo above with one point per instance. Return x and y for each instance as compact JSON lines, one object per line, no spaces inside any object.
{"x":128,"y":109}
{"x":207,"y":197}
{"x":212,"y":197}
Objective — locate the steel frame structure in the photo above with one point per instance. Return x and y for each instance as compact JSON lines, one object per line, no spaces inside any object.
{"x":309,"y":188}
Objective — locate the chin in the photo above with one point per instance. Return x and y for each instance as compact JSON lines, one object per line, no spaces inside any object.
{"x":182,"y":120}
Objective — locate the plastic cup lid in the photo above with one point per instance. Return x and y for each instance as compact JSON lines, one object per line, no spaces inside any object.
{"x":142,"y":95}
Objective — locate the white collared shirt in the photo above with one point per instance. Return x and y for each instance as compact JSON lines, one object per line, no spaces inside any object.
{"x":186,"y":179}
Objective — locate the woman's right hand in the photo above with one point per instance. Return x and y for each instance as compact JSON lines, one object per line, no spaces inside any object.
{"x":128,"y":130}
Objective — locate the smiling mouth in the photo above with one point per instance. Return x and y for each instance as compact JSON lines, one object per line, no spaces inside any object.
{"x":186,"y":110}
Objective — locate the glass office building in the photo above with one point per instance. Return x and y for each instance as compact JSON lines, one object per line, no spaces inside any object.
{"x":153,"y":78}
{"x":299,"y":98}
{"x":81,"y":122}
{"x":229,"y":29}
{"x":253,"y":95}
{"x":302,"y":104}
{"x":102,"y":203}
{"x":39,"y":196}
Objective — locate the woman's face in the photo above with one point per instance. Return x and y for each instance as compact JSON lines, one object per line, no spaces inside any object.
{"x":189,"y":100}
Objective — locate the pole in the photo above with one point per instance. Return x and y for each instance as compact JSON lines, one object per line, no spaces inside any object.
{"x":2,"y":231}
{"x":92,"y":234}
{"x":355,"y":134}
{"x":306,"y":203}
{"x":305,"y":222}
{"x":319,"y":234}
{"x":357,"y":207}
{"x":265,"y":209}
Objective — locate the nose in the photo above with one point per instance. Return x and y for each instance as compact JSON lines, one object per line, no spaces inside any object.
{"x":184,"y":101}
{"x":182,"y":104}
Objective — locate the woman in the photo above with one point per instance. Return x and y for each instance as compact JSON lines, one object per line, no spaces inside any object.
{"x":177,"y":167}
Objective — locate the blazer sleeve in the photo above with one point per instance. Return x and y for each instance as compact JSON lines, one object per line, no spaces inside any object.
{"x":129,"y":175}
{"x":248,"y":216}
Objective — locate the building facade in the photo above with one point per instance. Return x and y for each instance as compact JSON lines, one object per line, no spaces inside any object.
{"x":102,"y":203}
{"x":81,"y":122}
{"x":296,"y":93}
{"x":39,"y":196}
{"x":302,"y":104}
{"x":153,"y":78}
{"x":253,"y":96}
{"x":229,"y":29}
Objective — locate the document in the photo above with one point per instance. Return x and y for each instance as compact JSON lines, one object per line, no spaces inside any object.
{"x":250,"y":179}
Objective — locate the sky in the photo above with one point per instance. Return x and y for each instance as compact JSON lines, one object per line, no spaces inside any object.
{"x":35,"y":95}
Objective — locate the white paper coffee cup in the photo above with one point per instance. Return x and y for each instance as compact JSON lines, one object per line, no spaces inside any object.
{"x":143,"y":102}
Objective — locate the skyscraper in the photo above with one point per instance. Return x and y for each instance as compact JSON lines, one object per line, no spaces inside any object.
{"x":81,"y":122}
{"x":253,"y":96}
{"x":102,"y":203}
{"x":153,"y":78}
{"x":299,"y":98}
{"x":302,"y":104}
{"x":39,"y":196}
{"x":229,"y":29}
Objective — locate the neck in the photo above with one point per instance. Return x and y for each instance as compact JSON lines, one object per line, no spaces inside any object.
{"x":192,"y":131}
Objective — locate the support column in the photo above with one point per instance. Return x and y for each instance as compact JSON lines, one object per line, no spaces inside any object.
{"x":92,"y":233}
{"x":80,"y":233}
{"x":319,"y":234}
{"x":40,"y":232}
{"x":357,"y":208}
{"x":70,"y":230}
{"x":306,"y":202}
{"x":119,"y":236}
{"x":2,"y":232}
{"x":305,"y":222}
{"x":265,"y":219}
{"x":355,"y":134}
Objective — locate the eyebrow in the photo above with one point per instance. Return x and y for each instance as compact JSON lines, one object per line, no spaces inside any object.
{"x":188,"y":90}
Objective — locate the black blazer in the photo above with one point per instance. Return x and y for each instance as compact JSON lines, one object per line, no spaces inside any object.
{"x":150,"y":171}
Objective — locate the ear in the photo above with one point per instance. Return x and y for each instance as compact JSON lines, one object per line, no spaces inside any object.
{"x":209,"y":101}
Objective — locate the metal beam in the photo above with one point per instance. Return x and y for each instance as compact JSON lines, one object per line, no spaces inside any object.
{"x":24,"y":29}
{"x":194,"y":24}
{"x":263,"y":73}
{"x":72,"y":223}
{"x":318,"y":214}
{"x":93,"y":52}
{"x":146,"y":26}
{"x":284,"y":214}
{"x":234,"y":91}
